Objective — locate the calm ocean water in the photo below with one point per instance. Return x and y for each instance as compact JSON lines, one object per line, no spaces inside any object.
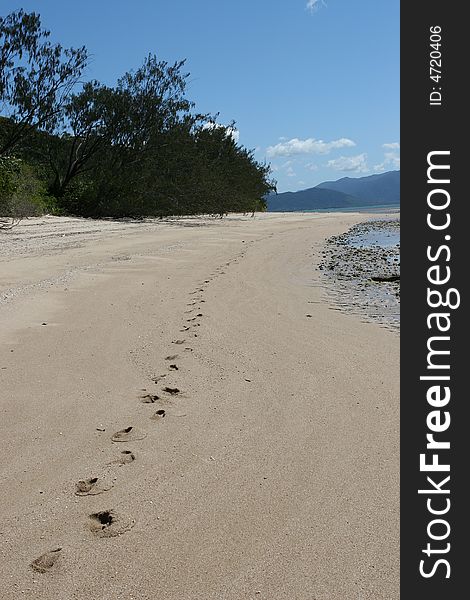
{"x":383,"y":238}
{"x":375,"y":208}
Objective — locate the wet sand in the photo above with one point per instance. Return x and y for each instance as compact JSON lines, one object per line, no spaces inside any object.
{"x":362,"y":268}
{"x":186,"y":417}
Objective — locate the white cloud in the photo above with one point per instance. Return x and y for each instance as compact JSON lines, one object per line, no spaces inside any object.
{"x":308,"y":146}
{"x":392,"y":146}
{"x":313,"y":5}
{"x":285,"y":166}
{"x":356,"y":164}
{"x":289,"y":169}
{"x":234,"y":133}
{"x":391,"y":161}
{"x":311,"y":167}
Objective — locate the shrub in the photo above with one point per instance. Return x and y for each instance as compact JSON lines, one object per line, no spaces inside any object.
{"x":22,"y":193}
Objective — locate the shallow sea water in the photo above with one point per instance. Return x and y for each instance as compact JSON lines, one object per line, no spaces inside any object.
{"x":353,"y":261}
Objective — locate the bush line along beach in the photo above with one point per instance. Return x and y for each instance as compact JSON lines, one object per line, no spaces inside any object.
{"x":139,"y":148}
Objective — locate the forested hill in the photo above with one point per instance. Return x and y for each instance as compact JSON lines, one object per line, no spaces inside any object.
{"x":383,"y":188}
{"x":348,"y":192}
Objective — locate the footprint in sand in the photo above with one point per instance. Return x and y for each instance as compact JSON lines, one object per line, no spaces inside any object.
{"x":92,"y":486}
{"x":158,"y":377}
{"x":172,"y":391}
{"x":46,"y":561}
{"x":149,"y":398}
{"x":107,"y":523}
{"x":171,"y":356}
{"x":125,"y":458}
{"x":158,"y":415}
{"x":178,"y":341}
{"x":129,"y":434}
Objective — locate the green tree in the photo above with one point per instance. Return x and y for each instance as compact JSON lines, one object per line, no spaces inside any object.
{"x":86,"y":129}
{"x":22,"y":193}
{"x":36,"y":76}
{"x":114,"y":131}
{"x":134,"y":149}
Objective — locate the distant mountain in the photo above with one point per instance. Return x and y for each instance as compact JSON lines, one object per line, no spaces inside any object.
{"x":379,"y":189}
{"x":347,"y":192}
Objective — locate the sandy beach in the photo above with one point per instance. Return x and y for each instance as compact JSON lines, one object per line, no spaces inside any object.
{"x":263,"y":459}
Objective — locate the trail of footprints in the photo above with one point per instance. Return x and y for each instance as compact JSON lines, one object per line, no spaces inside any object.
{"x":107,"y":523}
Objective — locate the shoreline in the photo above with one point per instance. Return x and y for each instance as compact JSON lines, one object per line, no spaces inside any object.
{"x":273,"y":465}
{"x":362,"y":269}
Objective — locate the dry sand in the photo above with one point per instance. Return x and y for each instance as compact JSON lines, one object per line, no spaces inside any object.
{"x":272,"y":474}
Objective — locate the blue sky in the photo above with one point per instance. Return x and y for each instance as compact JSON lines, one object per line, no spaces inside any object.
{"x":313,"y":85}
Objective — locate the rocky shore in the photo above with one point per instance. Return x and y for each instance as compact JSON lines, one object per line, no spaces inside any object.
{"x":362,"y":267}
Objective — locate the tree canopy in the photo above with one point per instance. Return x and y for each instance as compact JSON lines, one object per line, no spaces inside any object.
{"x":139,"y":148}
